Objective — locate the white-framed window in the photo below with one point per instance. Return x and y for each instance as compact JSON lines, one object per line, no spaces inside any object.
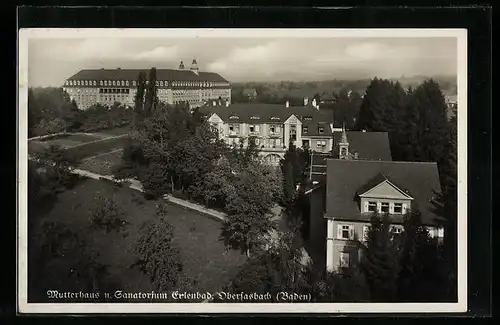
{"x":384,"y":207}
{"x":161,"y":83}
{"x":398,"y":208}
{"x":366,"y":229}
{"x":105,"y":82}
{"x":134,"y":83}
{"x":157,"y":83}
{"x":321,"y":143}
{"x":344,"y":259}
{"x":345,"y":232}
{"x":95,"y":83}
{"x":166,"y":83}
{"x":396,"y":230}
{"x":372,"y":206}
{"x":253,"y":128}
{"x":126,"y":83}
{"x":321,"y":129}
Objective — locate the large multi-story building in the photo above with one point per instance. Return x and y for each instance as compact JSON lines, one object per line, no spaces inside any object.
{"x":273,"y":126}
{"x":107,"y":86}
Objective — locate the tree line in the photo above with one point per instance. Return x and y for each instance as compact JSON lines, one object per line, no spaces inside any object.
{"x":50,"y":110}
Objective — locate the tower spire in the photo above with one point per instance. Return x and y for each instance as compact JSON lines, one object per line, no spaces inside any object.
{"x":344,"y":144}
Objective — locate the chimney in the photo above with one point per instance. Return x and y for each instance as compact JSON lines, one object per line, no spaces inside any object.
{"x":287,"y":104}
{"x":181,"y":66}
{"x":306,"y":101}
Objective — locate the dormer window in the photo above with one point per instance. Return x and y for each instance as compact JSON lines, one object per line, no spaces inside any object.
{"x":372,"y":206}
{"x":254,"y":117}
{"x":321,"y":129}
{"x":304,"y":129}
{"x":234,"y":117}
{"x":308,"y":118}
{"x":275,"y":118}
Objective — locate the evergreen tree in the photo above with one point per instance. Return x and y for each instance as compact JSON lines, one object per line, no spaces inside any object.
{"x":394,"y":120}
{"x":139,"y":95}
{"x":380,"y":261}
{"x":373,"y":108}
{"x":151,"y":98}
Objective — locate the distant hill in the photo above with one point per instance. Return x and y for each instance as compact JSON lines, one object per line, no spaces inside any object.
{"x":310,"y":88}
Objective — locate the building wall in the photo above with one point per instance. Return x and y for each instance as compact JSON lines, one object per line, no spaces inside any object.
{"x":316,"y":244}
{"x":336,"y":245}
{"x":86,"y":95}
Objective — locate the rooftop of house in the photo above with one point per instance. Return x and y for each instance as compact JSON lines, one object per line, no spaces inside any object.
{"x":347,"y":179}
{"x":132,"y":74}
{"x":259,"y":113}
{"x":367,"y":145}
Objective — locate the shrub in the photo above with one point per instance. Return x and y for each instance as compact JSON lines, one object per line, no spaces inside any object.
{"x":105,"y":214}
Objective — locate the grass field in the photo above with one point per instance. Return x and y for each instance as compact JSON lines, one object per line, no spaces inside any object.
{"x":102,"y":164}
{"x":203,"y":255}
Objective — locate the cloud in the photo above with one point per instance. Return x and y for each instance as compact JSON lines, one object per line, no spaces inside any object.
{"x":158,"y":53}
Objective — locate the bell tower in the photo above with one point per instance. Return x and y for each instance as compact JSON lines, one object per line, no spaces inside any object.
{"x":344,"y":145}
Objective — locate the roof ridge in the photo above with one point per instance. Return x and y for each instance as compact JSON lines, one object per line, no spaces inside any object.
{"x":385,"y":161}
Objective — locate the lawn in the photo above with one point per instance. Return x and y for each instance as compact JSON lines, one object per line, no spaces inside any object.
{"x":203,"y":255}
{"x":70,"y":140}
{"x":102,"y":164}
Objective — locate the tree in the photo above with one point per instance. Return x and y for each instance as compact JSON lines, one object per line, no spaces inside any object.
{"x":157,"y":256}
{"x":380,"y":260}
{"x":250,"y":196}
{"x":106,"y":214}
{"x":139,"y":96}
{"x":374,"y":106}
{"x":348,"y":286}
{"x":151,"y":98}
{"x":61,"y":259}
{"x":278,"y":269}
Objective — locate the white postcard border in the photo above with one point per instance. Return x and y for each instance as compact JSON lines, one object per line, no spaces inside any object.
{"x":205,"y":308}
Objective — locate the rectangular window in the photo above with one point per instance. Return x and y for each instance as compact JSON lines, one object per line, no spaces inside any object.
{"x":321,"y":129}
{"x":398,"y":207}
{"x":366,"y":229}
{"x":252,"y":128}
{"x":372,"y":206}
{"x":272,"y":129}
{"x":345,"y":232}
{"x":304,"y":129}
{"x":384,"y":207}
{"x":344,"y":259}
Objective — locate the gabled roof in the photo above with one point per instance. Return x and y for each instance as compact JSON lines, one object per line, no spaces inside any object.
{"x":271,"y":113}
{"x":368,"y":145}
{"x":379,"y":179}
{"x":345,"y":178}
{"x":132,"y":74}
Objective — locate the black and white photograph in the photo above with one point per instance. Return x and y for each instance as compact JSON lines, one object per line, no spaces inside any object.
{"x":242,"y":170}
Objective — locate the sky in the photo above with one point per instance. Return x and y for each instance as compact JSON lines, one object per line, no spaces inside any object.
{"x":51,"y":61}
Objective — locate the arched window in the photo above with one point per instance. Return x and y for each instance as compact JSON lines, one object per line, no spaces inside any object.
{"x":126,"y":83}
{"x":343,"y":151}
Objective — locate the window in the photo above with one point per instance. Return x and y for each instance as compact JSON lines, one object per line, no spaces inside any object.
{"x":384,"y":207}
{"x":321,"y":129}
{"x":161,"y":83}
{"x":275,"y":118}
{"x":308,"y":118}
{"x":133,"y":83}
{"x":320,"y":143}
{"x":304,"y":129}
{"x":126,"y":83}
{"x":372,"y":206}
{"x":233,"y":117}
{"x":114,"y":83}
{"x":344,"y":259}
{"x":254,"y":117}
{"x":366,"y":230}
{"x":345,"y":232}
{"x":157,"y":83}
{"x":398,"y":207}
{"x":397,"y":230}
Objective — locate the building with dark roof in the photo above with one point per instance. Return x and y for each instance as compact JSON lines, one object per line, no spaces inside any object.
{"x":107,"y":86}
{"x":273,"y":126}
{"x":342,"y":207}
{"x":359,"y":145}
